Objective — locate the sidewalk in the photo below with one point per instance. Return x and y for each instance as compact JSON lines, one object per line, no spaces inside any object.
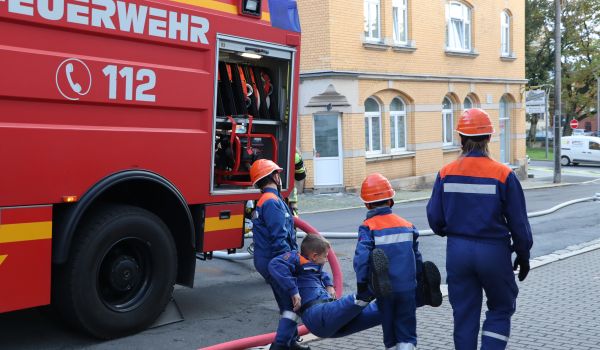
{"x":310,"y":203}
{"x":557,"y":308}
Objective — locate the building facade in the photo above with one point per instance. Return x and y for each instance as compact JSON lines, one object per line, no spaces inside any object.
{"x":383,"y":83}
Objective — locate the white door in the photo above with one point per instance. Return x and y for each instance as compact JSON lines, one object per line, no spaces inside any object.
{"x":327,"y":149}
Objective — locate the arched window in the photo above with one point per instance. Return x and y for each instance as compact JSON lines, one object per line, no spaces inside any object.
{"x":505,"y":112}
{"x":398,"y":124}
{"x":372,"y":126}
{"x":371,"y":21}
{"x":447,"y":122}
{"x":505,"y":29}
{"x":458,"y":26}
{"x":468,"y":103}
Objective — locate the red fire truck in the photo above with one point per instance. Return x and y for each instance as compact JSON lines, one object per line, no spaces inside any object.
{"x":127,"y":129}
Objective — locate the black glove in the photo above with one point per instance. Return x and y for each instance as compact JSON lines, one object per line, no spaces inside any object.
{"x":363,"y":293}
{"x":523,"y":265}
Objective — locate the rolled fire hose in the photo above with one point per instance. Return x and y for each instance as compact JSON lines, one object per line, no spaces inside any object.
{"x":264,"y":339}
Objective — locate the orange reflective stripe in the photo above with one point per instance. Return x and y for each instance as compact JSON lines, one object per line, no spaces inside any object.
{"x":481,"y":167}
{"x":243,"y":80}
{"x":228,"y":66}
{"x":381,"y":222}
{"x":265,"y":197}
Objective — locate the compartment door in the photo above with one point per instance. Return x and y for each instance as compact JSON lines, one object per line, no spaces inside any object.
{"x":223,"y":226}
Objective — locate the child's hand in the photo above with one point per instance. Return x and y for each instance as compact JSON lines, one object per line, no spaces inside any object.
{"x":296,"y":301}
{"x":331,"y":291}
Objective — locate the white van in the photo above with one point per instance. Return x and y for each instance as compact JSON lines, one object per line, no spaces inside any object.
{"x":579,"y":149}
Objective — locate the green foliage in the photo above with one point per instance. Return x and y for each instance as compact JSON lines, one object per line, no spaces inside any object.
{"x":580,"y":51}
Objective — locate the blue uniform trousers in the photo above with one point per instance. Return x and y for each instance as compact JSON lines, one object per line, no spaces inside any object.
{"x":474,"y":265}
{"x":287,"y":329}
{"x":340,"y":318}
{"x":398,"y":318}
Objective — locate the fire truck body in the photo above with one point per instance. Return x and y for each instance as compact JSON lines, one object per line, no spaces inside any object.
{"x":127,"y":129}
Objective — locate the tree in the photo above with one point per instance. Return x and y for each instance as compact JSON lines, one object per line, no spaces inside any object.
{"x":539,"y":50}
{"x":580,"y":51}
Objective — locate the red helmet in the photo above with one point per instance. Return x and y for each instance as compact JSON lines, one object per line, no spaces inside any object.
{"x":262,"y":168}
{"x":475,"y":122}
{"x":376,"y":188}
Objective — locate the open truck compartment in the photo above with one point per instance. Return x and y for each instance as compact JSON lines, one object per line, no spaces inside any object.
{"x":252,"y":110}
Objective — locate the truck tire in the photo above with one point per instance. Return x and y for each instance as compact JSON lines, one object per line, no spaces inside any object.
{"x":120,"y":273}
{"x":564,"y":161}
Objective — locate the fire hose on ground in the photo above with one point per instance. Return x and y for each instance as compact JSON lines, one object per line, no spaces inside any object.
{"x":349,"y":235}
{"x":265,"y":339}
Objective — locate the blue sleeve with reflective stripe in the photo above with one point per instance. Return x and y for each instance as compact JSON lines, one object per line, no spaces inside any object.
{"x":364,"y":246}
{"x":515,"y":212}
{"x":435,"y":208}
{"x":274,"y":218}
{"x":282,"y":269}
{"x":418,"y":257}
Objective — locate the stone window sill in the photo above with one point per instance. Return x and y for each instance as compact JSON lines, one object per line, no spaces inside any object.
{"x":466,"y":54}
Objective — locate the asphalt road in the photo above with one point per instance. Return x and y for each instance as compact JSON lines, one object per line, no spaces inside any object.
{"x":230,"y":299}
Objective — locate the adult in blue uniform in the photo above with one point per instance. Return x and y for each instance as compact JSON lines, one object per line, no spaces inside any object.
{"x":311,"y":291}
{"x":274,"y":234}
{"x":479,"y":205}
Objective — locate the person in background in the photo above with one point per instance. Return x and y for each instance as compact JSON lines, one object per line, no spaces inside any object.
{"x":479,"y":205}
{"x":299,"y":176}
{"x":274,"y":234}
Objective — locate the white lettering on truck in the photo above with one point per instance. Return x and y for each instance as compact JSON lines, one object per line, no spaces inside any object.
{"x":118,"y":15}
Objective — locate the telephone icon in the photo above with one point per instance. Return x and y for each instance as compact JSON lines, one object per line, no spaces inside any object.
{"x":74,"y":86}
{"x":71,"y":79}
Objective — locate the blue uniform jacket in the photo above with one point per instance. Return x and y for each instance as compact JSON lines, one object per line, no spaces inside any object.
{"x":273,"y":226}
{"x":298,"y":275}
{"x":398,"y":239}
{"x":477,"y":197}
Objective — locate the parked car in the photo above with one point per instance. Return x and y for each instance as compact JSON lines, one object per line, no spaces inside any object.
{"x":579,"y":149}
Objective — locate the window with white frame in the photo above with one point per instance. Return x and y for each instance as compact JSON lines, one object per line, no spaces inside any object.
{"x":447,"y":122}
{"x":372,"y":127}
{"x":398,"y":124}
{"x":372,"y":21}
{"x":505,"y":33}
{"x":468,"y":103}
{"x":400,"y":20}
{"x":458,"y":26}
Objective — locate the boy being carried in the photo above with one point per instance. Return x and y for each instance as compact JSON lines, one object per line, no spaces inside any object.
{"x":313,"y":296}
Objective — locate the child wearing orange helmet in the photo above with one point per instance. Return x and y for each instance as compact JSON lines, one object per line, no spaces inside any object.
{"x":387,"y":263}
{"x":274,"y":234}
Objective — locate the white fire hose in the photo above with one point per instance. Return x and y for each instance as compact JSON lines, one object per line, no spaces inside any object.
{"x":350,"y":235}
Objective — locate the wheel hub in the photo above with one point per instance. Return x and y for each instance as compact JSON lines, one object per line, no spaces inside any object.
{"x":125,"y":274}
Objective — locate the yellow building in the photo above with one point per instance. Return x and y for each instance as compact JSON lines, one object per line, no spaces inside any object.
{"x":383,"y":83}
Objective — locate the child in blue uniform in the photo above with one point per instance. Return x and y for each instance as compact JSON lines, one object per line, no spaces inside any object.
{"x":479,"y":205}
{"x":274,"y":234}
{"x":387,"y":257}
{"x":311,"y":291}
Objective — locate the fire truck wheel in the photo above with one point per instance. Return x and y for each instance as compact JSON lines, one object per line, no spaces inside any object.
{"x":120,"y":273}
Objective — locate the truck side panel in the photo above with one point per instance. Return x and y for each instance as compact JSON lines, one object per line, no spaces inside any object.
{"x":25,"y":249}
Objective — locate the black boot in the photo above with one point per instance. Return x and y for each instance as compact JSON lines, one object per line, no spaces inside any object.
{"x":380,"y":277}
{"x":432,"y":295}
{"x":278,"y":347}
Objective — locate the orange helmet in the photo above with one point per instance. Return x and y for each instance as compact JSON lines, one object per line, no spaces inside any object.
{"x":475,"y":122}
{"x":262,"y":168}
{"x":376,"y":188}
